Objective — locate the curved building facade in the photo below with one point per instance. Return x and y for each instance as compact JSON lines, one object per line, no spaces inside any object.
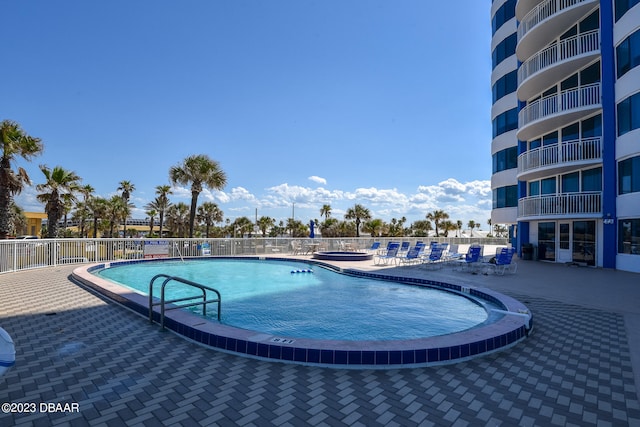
{"x":573,"y":191}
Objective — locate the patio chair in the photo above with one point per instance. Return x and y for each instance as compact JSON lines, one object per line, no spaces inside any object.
{"x":471,"y":259}
{"x":296,"y":247}
{"x":404,"y":248}
{"x":389,"y":256}
{"x":413,"y":256}
{"x":375,"y":246}
{"x":435,"y":257}
{"x":504,"y":261}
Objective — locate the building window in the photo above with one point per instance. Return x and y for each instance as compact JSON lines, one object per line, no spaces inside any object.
{"x":505,"y":122}
{"x":629,"y":176}
{"x":622,"y":6}
{"x":505,"y":159}
{"x":505,"y":197}
{"x":504,"y":14}
{"x":629,"y":114}
{"x":548,"y":185}
{"x":629,"y":236}
{"x":592,"y":180}
{"x":505,"y":49}
{"x":505,"y":85}
{"x":628,"y":54}
{"x":571,"y":182}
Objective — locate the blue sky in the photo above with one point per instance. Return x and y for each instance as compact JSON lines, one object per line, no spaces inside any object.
{"x":382,"y":103}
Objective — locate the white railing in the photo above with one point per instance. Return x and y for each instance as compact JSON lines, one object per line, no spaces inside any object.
{"x":543,"y":11}
{"x":570,"y":99}
{"x":557,"y":154}
{"x":560,"y":204}
{"x":16,"y":255}
{"x":566,"y":49}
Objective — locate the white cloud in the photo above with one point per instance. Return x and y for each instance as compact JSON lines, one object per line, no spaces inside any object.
{"x":318,"y":180}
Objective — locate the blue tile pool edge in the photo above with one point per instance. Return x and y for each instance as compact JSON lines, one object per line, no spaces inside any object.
{"x":512,"y":328}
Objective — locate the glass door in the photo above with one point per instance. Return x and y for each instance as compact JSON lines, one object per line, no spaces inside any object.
{"x":584,"y":242}
{"x":564,"y":242}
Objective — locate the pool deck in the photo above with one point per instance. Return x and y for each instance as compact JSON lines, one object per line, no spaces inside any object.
{"x":581,"y":366}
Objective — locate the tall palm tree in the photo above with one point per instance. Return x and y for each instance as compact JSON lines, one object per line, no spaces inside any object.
{"x":209,"y":213}
{"x":87,"y":192}
{"x":471,"y":224}
{"x":151,"y":213}
{"x":98,"y":208}
{"x":437,"y":217}
{"x":58,"y":182}
{"x":325,"y":211}
{"x":459,"y":228}
{"x":127,"y":188}
{"x":162,"y":203}
{"x":116,"y":210}
{"x":359,"y":213}
{"x":15,"y":143}
{"x":199,"y":171}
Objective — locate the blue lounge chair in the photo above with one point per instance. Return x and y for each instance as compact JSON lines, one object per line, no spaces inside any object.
{"x":413,"y":256}
{"x":375,"y":246}
{"x":389,"y":256}
{"x":471,"y":259}
{"x":404,"y":247}
{"x":435,"y":257}
{"x":504,"y":261}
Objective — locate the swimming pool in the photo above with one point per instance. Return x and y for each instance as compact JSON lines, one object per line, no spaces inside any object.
{"x":284,"y":298}
{"x":508,"y":324}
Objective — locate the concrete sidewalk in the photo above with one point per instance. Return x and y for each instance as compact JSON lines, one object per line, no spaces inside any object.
{"x":577,"y":368}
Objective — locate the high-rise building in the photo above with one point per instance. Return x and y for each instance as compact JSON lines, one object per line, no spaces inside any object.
{"x":566,"y":129}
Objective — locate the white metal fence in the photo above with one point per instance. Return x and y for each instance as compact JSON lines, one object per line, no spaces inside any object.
{"x":16,"y":255}
{"x":545,"y":10}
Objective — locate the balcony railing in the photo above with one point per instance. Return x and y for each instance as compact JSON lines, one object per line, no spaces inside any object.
{"x":558,"y":154}
{"x":543,"y":11}
{"x":582,"y":204}
{"x":570,"y":99}
{"x":569,"y":48}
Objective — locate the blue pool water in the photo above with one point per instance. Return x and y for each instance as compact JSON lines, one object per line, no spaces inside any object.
{"x":266,"y":296}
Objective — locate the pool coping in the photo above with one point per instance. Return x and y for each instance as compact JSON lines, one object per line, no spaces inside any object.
{"x":502,"y":334}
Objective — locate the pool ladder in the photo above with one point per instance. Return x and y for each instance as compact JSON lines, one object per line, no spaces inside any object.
{"x":163,"y":302}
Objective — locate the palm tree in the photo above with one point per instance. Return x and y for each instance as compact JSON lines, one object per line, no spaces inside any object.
{"x":375,"y":227}
{"x":162,"y":202}
{"x":459,"y":227}
{"x":209,"y":213}
{"x":359,"y":213}
{"x":178,"y":219}
{"x":86,"y":191}
{"x":151,"y":213}
{"x":437,"y":217}
{"x":325,"y":211}
{"x":471,"y":224}
{"x":58,"y":182}
{"x":98,"y":208}
{"x":18,"y":220}
{"x":15,"y":143}
{"x":127,"y":188}
{"x":116,"y":209}
{"x":265,"y":223}
{"x":199,"y":171}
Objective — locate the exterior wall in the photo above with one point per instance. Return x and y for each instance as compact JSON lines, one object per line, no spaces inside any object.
{"x":500,"y":179}
{"x":561,"y":70}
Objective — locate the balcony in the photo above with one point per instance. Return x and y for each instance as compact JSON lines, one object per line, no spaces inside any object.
{"x":559,"y":158}
{"x":575,"y":205}
{"x":553,"y":111}
{"x":546,"y":21}
{"x":555,"y":62}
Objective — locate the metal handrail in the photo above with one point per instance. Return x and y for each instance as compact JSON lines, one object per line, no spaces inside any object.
{"x":163,"y":302}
